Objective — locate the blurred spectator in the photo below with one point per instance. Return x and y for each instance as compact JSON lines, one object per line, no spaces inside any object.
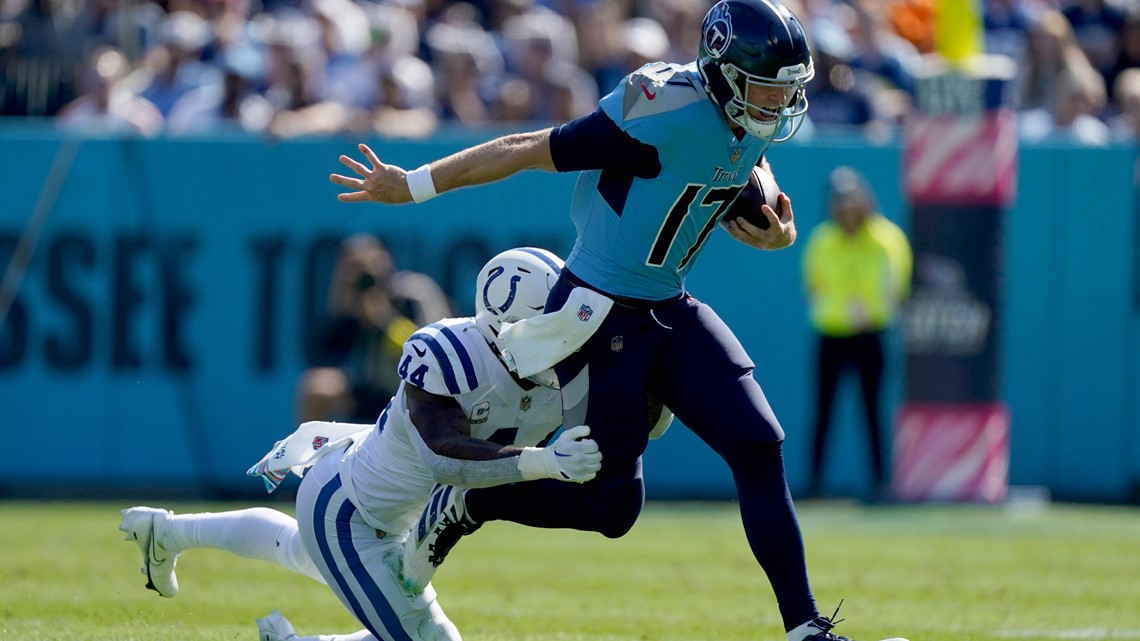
{"x":1079,"y":96}
{"x":327,"y":66}
{"x":573,"y":93}
{"x":1052,"y":50}
{"x":40,"y":50}
{"x":838,"y":95}
{"x":407,"y":92}
{"x":645,"y":41}
{"x":516,"y":101}
{"x":879,"y":50}
{"x":1007,"y":25}
{"x":133,"y":27}
{"x":600,"y":31}
{"x":913,"y":20}
{"x":1126,"y":124}
{"x":362,"y":337}
{"x":1129,"y":56}
{"x":109,"y":105}
{"x":535,"y":45}
{"x":231,"y":106}
{"x":174,"y":68}
{"x":469,"y":66}
{"x":298,"y":110}
{"x":345,"y":35}
{"x":1097,"y":26}
{"x":856,"y":272}
{"x":681,"y":20}
{"x":393,"y":35}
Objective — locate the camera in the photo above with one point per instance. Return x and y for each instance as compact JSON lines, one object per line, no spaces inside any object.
{"x":366,"y":282}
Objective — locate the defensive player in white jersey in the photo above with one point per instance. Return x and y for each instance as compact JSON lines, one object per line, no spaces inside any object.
{"x":459,"y":418}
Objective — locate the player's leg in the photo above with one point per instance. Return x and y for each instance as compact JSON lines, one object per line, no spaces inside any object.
{"x":608,"y":506}
{"x":869,"y":360}
{"x":705,"y":377}
{"x":828,"y":366}
{"x":361,"y":565}
{"x":255,"y":533}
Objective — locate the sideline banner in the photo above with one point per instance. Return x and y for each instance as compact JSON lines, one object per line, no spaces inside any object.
{"x":951,"y":439}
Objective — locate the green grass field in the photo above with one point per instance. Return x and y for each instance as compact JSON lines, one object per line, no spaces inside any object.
{"x":683,"y":574}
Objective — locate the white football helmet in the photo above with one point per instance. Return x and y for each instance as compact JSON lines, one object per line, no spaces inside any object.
{"x":513,"y":286}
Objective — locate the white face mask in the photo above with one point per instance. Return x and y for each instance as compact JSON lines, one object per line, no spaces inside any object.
{"x":775,"y":123}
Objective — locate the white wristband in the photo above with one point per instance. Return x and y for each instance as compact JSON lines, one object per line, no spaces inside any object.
{"x":532,"y":464}
{"x":421,"y":185}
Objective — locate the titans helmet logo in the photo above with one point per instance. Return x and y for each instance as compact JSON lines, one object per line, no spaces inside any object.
{"x":718,"y":30}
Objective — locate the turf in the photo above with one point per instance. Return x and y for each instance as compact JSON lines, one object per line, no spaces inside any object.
{"x":683,"y":574}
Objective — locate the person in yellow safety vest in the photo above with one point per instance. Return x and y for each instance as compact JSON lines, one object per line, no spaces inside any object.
{"x":856,"y":271}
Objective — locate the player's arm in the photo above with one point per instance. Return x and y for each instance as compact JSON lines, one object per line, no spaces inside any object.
{"x":591,"y":142}
{"x":445,"y":429}
{"x":484,"y":163}
{"x":441,"y":435}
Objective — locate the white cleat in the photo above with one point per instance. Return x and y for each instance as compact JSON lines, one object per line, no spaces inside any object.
{"x":141,"y":525}
{"x":275,"y":627}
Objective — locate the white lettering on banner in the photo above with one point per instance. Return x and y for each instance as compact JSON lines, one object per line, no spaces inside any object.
{"x":950,"y":94}
{"x":943,"y":316}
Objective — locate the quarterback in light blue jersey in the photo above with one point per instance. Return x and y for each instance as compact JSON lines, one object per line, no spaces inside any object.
{"x":660,"y":162}
{"x":625,"y":246}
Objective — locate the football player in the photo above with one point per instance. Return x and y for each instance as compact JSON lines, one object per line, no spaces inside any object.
{"x":660,"y":161}
{"x":459,"y":417}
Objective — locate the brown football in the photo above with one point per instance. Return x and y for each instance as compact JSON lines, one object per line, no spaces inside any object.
{"x":761,"y":188}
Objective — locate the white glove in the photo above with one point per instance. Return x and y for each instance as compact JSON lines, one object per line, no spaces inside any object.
{"x":571,"y":457}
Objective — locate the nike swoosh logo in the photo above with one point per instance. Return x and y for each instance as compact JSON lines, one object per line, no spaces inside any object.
{"x":645,"y":90}
{"x":557,"y":453}
{"x":153,"y":557}
{"x":419,"y":352}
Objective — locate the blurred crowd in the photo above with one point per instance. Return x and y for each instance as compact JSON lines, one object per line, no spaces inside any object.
{"x":402,"y":67}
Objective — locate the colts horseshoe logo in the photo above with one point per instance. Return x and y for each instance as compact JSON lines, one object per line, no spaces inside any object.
{"x":498,"y":271}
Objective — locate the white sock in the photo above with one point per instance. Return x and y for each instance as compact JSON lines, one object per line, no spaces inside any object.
{"x":255,"y":533}
{"x":803,"y":631}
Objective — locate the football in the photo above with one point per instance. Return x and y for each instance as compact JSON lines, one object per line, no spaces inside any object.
{"x":761,"y":188}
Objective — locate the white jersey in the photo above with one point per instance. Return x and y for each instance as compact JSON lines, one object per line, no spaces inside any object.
{"x":384,"y":474}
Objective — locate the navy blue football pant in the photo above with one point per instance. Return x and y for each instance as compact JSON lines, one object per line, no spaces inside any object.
{"x":680,"y":352}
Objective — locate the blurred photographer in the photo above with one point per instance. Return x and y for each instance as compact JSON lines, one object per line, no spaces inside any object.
{"x":360,"y":340}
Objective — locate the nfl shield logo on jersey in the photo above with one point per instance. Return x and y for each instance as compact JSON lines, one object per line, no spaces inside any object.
{"x":524,"y":403}
{"x":319,"y":442}
{"x":584,"y":313}
{"x":617,"y":343}
{"x":736,"y":155}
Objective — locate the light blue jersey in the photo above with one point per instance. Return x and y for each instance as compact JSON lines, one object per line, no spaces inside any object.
{"x":639,"y":237}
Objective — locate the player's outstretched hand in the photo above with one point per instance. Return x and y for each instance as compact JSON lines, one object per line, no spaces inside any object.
{"x":781,"y":230}
{"x":379,"y":183}
{"x":571,"y":457}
